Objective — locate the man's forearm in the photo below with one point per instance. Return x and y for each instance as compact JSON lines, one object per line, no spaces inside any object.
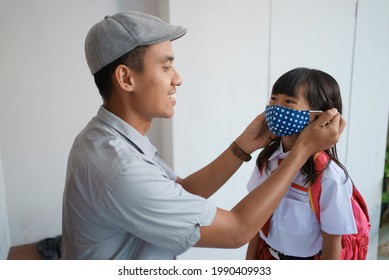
{"x":257,"y":207}
{"x":239,"y":225}
{"x":209,"y":179}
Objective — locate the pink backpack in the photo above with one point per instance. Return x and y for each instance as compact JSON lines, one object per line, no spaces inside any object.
{"x":354,"y":246}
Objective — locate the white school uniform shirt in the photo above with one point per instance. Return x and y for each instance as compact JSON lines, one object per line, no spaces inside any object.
{"x":294,"y":228}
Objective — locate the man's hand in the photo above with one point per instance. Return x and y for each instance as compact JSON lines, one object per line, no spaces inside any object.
{"x":255,"y":136}
{"x":322,"y":133}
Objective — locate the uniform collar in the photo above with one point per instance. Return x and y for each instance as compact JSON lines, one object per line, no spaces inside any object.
{"x":139,"y":141}
{"x":279,"y":153}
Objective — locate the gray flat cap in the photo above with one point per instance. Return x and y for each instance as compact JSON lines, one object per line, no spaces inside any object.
{"x":116,"y":35}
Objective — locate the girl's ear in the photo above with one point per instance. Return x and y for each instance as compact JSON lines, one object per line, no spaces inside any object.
{"x":124,"y":78}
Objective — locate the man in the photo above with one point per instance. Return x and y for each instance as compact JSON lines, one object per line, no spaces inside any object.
{"x":121,"y":201}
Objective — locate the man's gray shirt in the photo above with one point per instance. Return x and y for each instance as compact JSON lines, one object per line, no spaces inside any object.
{"x":121,"y":200}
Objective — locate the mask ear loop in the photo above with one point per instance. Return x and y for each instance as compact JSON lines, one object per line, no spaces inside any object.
{"x":316,"y":116}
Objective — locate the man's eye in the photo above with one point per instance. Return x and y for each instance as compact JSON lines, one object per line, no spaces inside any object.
{"x":166,"y":68}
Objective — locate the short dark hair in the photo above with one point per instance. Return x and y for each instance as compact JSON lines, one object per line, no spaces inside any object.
{"x":320,"y":88}
{"x":103,"y":78}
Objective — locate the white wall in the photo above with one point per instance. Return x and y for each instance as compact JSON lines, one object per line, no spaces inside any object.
{"x":228,"y":60}
{"x":223,"y":64}
{"x":369,"y":107}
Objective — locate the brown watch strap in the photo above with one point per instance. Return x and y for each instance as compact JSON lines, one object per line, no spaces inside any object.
{"x":239,"y":153}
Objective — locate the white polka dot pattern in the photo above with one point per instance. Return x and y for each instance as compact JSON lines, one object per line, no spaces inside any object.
{"x":283,"y":121}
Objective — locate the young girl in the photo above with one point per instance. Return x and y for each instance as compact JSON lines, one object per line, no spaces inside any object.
{"x":293,"y":231}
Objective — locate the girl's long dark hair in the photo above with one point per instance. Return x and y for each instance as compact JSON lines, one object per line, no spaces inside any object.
{"x":322,"y":93}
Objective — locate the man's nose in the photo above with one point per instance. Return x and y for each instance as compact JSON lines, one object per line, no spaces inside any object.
{"x":177,"y":81}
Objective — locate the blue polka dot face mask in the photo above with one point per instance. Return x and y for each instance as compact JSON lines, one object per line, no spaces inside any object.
{"x":283,"y":121}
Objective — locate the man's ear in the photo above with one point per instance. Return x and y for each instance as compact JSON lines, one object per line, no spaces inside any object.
{"x":124,"y":78}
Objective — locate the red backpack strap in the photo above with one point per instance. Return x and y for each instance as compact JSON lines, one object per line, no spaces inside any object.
{"x":361,"y":202}
{"x":320,"y":160}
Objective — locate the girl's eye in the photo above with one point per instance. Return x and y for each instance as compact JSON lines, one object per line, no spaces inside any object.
{"x":273,"y":98}
{"x":289,"y":101}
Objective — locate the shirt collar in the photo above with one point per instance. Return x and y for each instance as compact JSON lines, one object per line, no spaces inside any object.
{"x":139,"y":141}
{"x":279,"y":153}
